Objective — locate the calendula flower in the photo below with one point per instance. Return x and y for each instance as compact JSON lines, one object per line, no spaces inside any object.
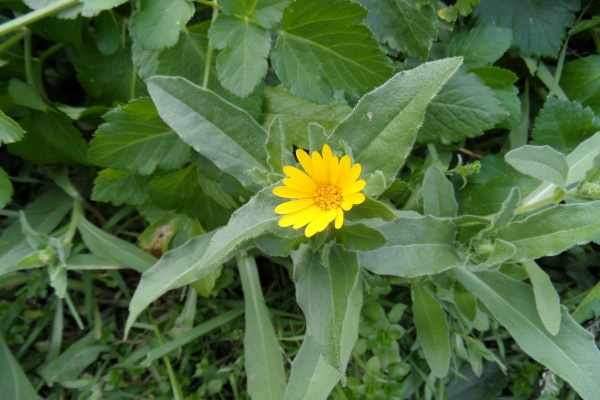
{"x":322,"y":194}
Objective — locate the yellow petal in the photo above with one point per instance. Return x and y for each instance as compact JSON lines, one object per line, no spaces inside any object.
{"x":344,"y":169}
{"x":305,"y":216}
{"x":346,"y":205}
{"x":289,"y":193}
{"x":320,"y":222}
{"x":353,"y":175}
{"x":299,"y":176}
{"x":339,"y":218}
{"x":353,"y":187}
{"x":319,"y":166}
{"x":307,"y":164}
{"x":327,"y":156}
{"x":294,"y":205}
{"x":334,"y":170}
{"x":300,"y":186}
{"x":354,"y":198}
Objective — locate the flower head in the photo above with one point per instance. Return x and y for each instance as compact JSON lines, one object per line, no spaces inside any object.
{"x":322,"y":194}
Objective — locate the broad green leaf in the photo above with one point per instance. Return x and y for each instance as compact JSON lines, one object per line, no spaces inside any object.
{"x":134,"y":138}
{"x":572,"y":353}
{"x":296,"y":114}
{"x":464,"y":107}
{"x":157,"y":24}
{"x":107,"y":31}
{"x":93,"y":7}
{"x":277,"y":246}
{"x":330,"y":296}
{"x":370,"y":208}
{"x":10,"y":131}
{"x":263,"y":360}
{"x":416,"y":246}
{"x":311,"y":378}
{"x":6,"y":189}
{"x":13,"y":381}
{"x":541,"y":162}
{"x":438,"y":194}
{"x":360,"y":237}
{"x":242,"y":61}
{"x":266,"y":13}
{"x":408,"y":26}
{"x":553,"y":230}
{"x":51,"y":139}
{"x":26,"y":95}
{"x":111,"y":248}
{"x":202,"y":254}
{"x":121,"y":187}
{"x":322,"y":47}
{"x":547,"y":301}
{"x":562,"y":125}
{"x":223,"y":133}
{"x":579,"y":80}
{"x":389,"y":118}
{"x":482,"y":45}
{"x":432,"y":329}
{"x":502,"y":82}
{"x":538,"y":27}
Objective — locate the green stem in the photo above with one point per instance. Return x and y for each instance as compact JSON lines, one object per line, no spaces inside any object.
{"x":28,"y":58}
{"x":11,"y":42}
{"x":559,"y":68}
{"x":596,"y":39}
{"x":50,"y":51}
{"x":209,"y":50}
{"x":177,"y":393}
{"x":74,"y":312}
{"x":36,"y":15}
{"x":75,"y":215}
{"x":133,"y":83}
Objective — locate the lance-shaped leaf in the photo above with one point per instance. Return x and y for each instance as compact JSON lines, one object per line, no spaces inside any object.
{"x":547,"y":301}
{"x":13,"y":381}
{"x":202,"y":254}
{"x":438,"y":194}
{"x":432,"y":330}
{"x":331,"y":298}
{"x":220,"y":131}
{"x":323,"y":47}
{"x":389,"y":117}
{"x":552,"y":231}
{"x":263,"y":358}
{"x":541,"y":162}
{"x":416,"y":246}
{"x":572,"y":353}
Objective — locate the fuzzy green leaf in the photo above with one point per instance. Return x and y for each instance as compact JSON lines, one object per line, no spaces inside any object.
{"x":541,"y":162}
{"x":438,"y":194}
{"x":481,"y":45}
{"x":360,"y":237}
{"x":13,"y":381}
{"x":157,"y":24}
{"x":547,"y":301}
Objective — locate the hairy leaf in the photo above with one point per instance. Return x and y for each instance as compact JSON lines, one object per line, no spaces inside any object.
{"x":438,"y":194}
{"x":547,"y":301}
{"x":541,"y":162}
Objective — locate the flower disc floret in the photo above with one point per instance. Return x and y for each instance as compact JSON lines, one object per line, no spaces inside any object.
{"x":320,"y":195}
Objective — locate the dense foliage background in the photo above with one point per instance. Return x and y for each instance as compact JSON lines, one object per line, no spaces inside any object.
{"x":128,"y":128}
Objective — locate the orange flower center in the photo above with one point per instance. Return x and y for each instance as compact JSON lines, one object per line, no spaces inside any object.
{"x":328,"y":197}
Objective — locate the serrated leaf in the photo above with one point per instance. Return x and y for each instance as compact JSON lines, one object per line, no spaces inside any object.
{"x":553,"y":230}
{"x":223,"y":133}
{"x":359,"y":237}
{"x":562,"y":124}
{"x":242,"y":61}
{"x":465,"y":107}
{"x":157,"y":24}
{"x":10,"y":131}
{"x":389,"y":117}
{"x":438,"y":194}
{"x":415,"y":247}
{"x":502,"y":81}
{"x":266,"y":13}
{"x":121,"y":187}
{"x":571,"y":354}
{"x":14,"y":382}
{"x":538,"y":27}
{"x":322,"y":48}
{"x":547,"y":301}
{"x":541,"y":162}
{"x":481,"y":45}
{"x":330,"y":297}
{"x":409,"y":26}
{"x":134,"y":138}
{"x":202,"y":254}
{"x":6,"y":189}
{"x":580,"y":81}
{"x":432,"y":330}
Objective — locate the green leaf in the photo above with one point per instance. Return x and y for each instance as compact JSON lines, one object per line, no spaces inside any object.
{"x":541,"y":162}
{"x":111,"y":248}
{"x":202,"y":254}
{"x":330,"y":296}
{"x":466,"y":302}
{"x":502,"y":81}
{"x":432,"y":330}
{"x":538,"y":27}
{"x":409,"y":26}
{"x":553,"y":230}
{"x":93,"y":7}
{"x":482,"y":45}
{"x":121,"y":187}
{"x":266,"y":13}
{"x":462,"y":7}
{"x":50,"y":139}
{"x":322,"y":48}
{"x":13,"y":381}
{"x":6,"y":189}
{"x":359,"y":237}
{"x":571,"y":353}
{"x":547,"y":301}
{"x":26,"y":95}
{"x":296,"y":114}
{"x":438,"y":194}
{"x":311,"y":378}
{"x":505,"y":215}
{"x":416,"y":246}
{"x":488,"y":255}
{"x":370,"y":208}
{"x":465,"y":107}
{"x":277,"y":246}
{"x":277,"y":154}
{"x":262,"y":355}
{"x":580,"y":81}
{"x":108,"y":33}
{"x":10,"y":131}
{"x":242,"y":61}
{"x":157,"y":24}
{"x":584,"y":25}
{"x":562,"y":125}
{"x":223,"y":133}
{"x":134,"y":138}
{"x":389,"y":118}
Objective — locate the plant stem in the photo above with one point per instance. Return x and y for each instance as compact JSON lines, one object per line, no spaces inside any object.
{"x":209,"y":50}
{"x":133,"y":83}
{"x":11,"y":42}
{"x":35,"y":15}
{"x":433,"y":151}
{"x":28,"y":58}
{"x":177,"y":393}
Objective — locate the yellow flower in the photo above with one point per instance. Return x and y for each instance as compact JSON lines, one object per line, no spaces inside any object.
{"x":322,"y":194}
